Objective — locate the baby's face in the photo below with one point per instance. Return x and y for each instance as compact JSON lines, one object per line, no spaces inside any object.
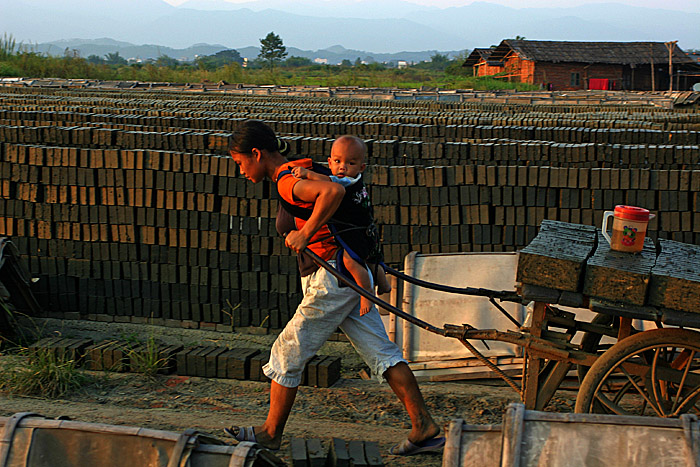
{"x":346,"y":164}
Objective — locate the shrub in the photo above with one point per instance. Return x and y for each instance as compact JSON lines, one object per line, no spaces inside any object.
{"x":147,"y":359}
{"x":41,"y":372}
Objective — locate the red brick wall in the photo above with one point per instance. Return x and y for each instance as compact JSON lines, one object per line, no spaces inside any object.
{"x":559,"y":74}
{"x":488,"y":70}
{"x":527,"y":72}
{"x":513,"y":66}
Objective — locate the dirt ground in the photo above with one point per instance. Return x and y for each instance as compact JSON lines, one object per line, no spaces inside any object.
{"x":352,"y":409}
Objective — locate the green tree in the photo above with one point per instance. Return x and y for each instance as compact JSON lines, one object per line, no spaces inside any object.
{"x":113,"y":58}
{"x":346,"y":63}
{"x":295,"y":62}
{"x":272,"y":49}
{"x":439,"y":61}
{"x":455,"y":68}
{"x":71,"y":53}
{"x":231,"y":73}
{"x":230,"y":55}
{"x":95,"y":59}
{"x":166,"y":61}
{"x":8,"y":46}
{"x":219,"y":59}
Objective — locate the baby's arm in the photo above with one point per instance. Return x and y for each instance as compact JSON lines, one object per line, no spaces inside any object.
{"x":301,"y":172}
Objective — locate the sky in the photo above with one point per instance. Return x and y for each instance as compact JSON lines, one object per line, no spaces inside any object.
{"x":379,"y":26}
{"x":682,"y":5}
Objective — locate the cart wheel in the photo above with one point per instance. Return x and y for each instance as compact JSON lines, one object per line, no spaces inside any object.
{"x":654,"y":373}
{"x":590,"y":342}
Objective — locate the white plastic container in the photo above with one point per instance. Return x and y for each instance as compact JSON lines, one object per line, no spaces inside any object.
{"x":629,"y":228}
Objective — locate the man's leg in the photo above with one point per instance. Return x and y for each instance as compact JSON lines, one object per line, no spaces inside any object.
{"x":282,"y":398}
{"x":404,"y":384}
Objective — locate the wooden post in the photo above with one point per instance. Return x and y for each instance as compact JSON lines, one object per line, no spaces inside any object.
{"x":670,"y":46}
{"x":632,"y":83}
{"x":651,"y":60}
{"x":625,"y":329}
{"x":534,"y":362}
{"x":513,"y":435}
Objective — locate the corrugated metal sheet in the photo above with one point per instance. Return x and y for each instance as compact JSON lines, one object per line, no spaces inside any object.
{"x":29,"y":440}
{"x":686,"y":98}
{"x":532,"y":438}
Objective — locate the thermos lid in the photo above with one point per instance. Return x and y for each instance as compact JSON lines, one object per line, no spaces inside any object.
{"x":632,"y":213}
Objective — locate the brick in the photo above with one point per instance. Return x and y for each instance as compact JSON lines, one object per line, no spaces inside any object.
{"x":181,"y":362}
{"x":356,"y":451}
{"x":236,"y":363}
{"x":556,"y":257}
{"x":675,"y":277}
{"x":94,"y":356}
{"x":619,"y":276}
{"x":256,"y":364}
{"x":298,"y":451}
{"x":196,"y":360}
{"x":338,"y":454}
{"x":328,"y":371}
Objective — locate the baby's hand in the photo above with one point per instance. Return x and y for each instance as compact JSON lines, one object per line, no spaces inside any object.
{"x":300,"y":172}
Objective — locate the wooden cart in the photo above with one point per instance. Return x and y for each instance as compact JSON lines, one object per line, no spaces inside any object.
{"x":645,"y":372}
{"x":652,"y":372}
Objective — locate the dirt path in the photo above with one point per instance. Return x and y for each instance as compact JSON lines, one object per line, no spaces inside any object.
{"x":353,"y":409}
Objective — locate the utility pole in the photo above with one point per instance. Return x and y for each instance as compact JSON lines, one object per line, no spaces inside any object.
{"x":651,"y":60}
{"x":670,"y":46}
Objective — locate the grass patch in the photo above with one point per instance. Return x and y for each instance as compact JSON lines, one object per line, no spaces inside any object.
{"x":41,"y":372}
{"x":147,"y":359}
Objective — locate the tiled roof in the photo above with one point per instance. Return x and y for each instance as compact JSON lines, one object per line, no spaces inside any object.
{"x":625,"y":53}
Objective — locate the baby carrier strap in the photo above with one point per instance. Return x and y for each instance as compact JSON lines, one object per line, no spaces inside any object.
{"x":298,"y":211}
{"x":305,"y":213}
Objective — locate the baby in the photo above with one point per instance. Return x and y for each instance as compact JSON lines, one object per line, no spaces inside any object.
{"x":347,"y":162}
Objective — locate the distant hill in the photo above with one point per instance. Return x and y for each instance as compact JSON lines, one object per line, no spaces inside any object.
{"x":382,"y":26}
{"x":363,"y":9}
{"x":334,"y":54}
{"x":102,"y":47}
{"x":156,"y":22}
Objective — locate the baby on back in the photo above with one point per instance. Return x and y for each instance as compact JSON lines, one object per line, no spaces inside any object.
{"x":361,"y":246}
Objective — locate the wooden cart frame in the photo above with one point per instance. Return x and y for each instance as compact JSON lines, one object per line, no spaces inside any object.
{"x":658,"y":367}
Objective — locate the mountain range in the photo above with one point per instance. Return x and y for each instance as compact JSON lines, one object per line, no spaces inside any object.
{"x":379,"y":26}
{"x":334,"y":54}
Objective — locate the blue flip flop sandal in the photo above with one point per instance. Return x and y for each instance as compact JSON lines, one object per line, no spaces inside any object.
{"x":241,"y":433}
{"x":407,"y":448}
